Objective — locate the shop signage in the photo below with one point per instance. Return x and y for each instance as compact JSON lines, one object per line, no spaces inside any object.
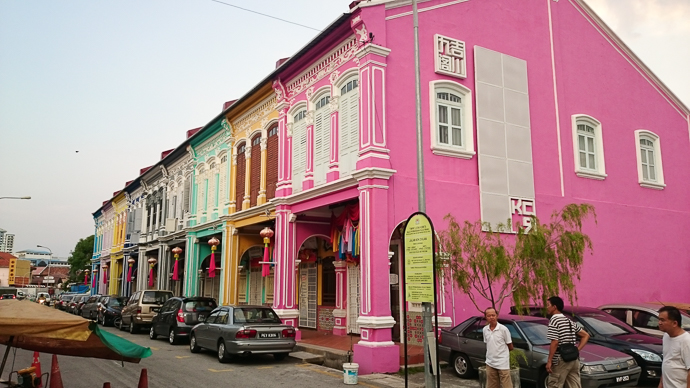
{"x":419,"y":259}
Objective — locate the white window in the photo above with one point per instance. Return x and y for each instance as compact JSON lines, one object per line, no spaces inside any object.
{"x":588,"y":147}
{"x":322,"y":138}
{"x":451,"y":119}
{"x":299,"y":149}
{"x":348,"y":127}
{"x":650,"y":172}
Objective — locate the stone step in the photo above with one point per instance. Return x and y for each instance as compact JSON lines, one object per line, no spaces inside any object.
{"x":307,"y":357}
{"x":332,"y":358}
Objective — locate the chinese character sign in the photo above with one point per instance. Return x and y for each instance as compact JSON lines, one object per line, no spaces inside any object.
{"x":521,"y":212}
{"x":450,"y":56}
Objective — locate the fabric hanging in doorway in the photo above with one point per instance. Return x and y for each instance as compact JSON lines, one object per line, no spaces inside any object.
{"x":345,"y":234}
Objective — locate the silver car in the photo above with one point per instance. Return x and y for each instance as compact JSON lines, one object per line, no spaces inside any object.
{"x":243,"y":330}
{"x":464,"y":348}
{"x":642,"y":316}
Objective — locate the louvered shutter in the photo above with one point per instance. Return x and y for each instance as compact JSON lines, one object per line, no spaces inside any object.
{"x":187,"y":197}
{"x":322,"y":143}
{"x":349,"y":131}
{"x":299,"y":155}
{"x":344,"y":135}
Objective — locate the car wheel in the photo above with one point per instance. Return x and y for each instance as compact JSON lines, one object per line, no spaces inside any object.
{"x":172,"y":338}
{"x":117,"y":322}
{"x":192,"y":344}
{"x":133,"y":329}
{"x":152,"y":333}
{"x":279,"y":356}
{"x":222,"y":355}
{"x":462,"y":366}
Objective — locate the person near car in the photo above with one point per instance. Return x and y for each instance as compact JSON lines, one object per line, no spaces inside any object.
{"x":498,"y":347}
{"x":675,"y":369}
{"x":561,"y":331}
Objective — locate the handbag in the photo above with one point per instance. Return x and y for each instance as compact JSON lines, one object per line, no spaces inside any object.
{"x":569,"y":352}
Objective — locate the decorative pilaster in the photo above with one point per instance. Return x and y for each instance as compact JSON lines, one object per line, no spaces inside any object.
{"x":373,"y":146}
{"x":376,"y":351}
{"x":333,"y":171}
{"x":261,"y":198}
{"x":191,"y":273}
{"x":285,"y":284}
{"x":340,"y":312}
{"x":233,"y":182}
{"x":308,"y":181}
{"x":231,"y":261}
{"x":247,"y":176}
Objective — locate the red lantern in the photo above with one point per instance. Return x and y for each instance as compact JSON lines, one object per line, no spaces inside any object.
{"x":213,"y":242}
{"x":105,"y":273}
{"x":266,"y":233}
{"x":176,"y":251}
{"x":130,"y":263}
{"x":86,"y":276}
{"x":152,"y":262}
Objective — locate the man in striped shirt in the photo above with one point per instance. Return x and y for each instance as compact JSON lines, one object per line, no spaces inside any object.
{"x":562,"y":331}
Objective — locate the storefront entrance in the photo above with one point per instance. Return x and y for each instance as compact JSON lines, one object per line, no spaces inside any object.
{"x":307,"y":295}
{"x":353,"y":298}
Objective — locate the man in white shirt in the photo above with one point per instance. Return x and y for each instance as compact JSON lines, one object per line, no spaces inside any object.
{"x":498,"y":346}
{"x":675,"y":369}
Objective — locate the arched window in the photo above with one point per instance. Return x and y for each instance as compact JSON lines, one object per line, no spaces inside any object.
{"x":348,"y":126}
{"x":255,"y":177}
{"x":650,"y":172}
{"x":272,"y":162}
{"x":588,"y":146}
{"x":240,"y":176}
{"x":299,"y":149}
{"x":451,"y":119}
{"x":322,"y":138}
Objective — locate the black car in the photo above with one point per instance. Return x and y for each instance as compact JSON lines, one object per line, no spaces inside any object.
{"x":90,"y":308}
{"x":64,"y":302}
{"x":8,"y":296}
{"x":110,"y":310}
{"x":606,"y":330}
{"x":178,"y":315}
{"x":81,"y":301}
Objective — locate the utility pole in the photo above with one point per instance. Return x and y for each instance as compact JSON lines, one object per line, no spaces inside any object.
{"x":429,"y":381}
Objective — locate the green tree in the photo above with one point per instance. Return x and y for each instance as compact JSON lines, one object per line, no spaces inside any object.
{"x":80,"y":259}
{"x":529,"y":267}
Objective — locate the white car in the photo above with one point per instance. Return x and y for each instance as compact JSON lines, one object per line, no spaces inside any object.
{"x":642,"y":316}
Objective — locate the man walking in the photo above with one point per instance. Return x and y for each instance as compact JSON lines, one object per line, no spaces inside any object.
{"x":562,"y":331}
{"x":498,"y":346}
{"x":675,"y":369}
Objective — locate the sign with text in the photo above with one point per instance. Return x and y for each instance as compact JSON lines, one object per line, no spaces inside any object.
{"x":419,"y":259}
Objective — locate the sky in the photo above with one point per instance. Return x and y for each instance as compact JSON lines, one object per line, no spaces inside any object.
{"x":92,"y":91}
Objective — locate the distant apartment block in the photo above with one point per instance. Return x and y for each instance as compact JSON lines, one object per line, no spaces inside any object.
{"x":6,"y":241}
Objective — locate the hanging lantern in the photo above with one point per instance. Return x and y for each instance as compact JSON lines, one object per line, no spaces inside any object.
{"x":93,"y":278}
{"x":130,"y":264}
{"x":86,"y":277}
{"x":105,"y":273}
{"x":152,"y":263}
{"x":266,"y":233}
{"x":213,"y":242}
{"x":176,"y":251}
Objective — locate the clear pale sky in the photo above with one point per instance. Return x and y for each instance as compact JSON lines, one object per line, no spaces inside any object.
{"x":121,"y":81}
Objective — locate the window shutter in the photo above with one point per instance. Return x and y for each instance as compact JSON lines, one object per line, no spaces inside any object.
{"x":344,"y":135}
{"x":299,"y":155}
{"x":322,"y":142}
{"x":186,"y":200}
{"x":354,"y":129}
{"x":137,"y":219}
{"x":349,"y":132}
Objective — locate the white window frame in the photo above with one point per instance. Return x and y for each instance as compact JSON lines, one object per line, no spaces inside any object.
{"x":322,"y":156}
{"x":599,"y":173}
{"x":297,"y":108}
{"x":659,"y":183}
{"x":347,"y":164}
{"x":466,"y":151}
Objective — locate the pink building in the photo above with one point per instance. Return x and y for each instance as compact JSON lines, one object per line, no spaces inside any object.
{"x":527,"y":106}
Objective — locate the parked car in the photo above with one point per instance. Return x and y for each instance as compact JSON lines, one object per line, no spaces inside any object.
{"x":177,"y":316}
{"x":80,"y":303}
{"x":243,"y":330}
{"x":684,"y":307}
{"x":72,"y":305}
{"x":90,"y":308}
{"x":8,"y":296}
{"x":606,"y":330}
{"x":109,"y":311}
{"x":464,"y":348}
{"x":643,"y":316}
{"x":64,"y":301}
{"x":138,"y":313}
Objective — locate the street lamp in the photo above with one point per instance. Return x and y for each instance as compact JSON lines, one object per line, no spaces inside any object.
{"x":15,"y":197}
{"x":51,"y":254}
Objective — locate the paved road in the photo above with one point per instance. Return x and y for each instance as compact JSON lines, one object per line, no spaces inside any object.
{"x":174,"y":366}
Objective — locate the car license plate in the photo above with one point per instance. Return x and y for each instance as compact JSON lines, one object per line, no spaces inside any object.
{"x":268,"y":335}
{"x":622,"y":378}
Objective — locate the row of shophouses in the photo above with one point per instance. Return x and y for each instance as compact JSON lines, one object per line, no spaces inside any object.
{"x":527,"y":106}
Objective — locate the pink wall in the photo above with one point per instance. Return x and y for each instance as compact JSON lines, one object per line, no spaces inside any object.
{"x":639,"y":229}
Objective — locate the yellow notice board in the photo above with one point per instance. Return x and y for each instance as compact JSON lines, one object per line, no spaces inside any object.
{"x":419,"y":259}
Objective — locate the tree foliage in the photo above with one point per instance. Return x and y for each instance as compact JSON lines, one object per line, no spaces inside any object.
{"x":80,"y":259}
{"x":529,"y":267}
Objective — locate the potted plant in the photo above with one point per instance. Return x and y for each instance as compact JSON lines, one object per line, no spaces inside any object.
{"x":515,"y":356}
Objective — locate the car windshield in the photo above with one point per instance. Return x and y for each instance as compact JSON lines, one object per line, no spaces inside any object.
{"x":255,"y":315}
{"x":535,"y":331}
{"x":606,"y":325}
{"x":115,"y":302}
{"x":155,"y":297}
{"x":200,"y":305}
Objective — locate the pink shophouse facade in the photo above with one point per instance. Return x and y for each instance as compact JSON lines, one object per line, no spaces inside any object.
{"x":527,"y":106}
